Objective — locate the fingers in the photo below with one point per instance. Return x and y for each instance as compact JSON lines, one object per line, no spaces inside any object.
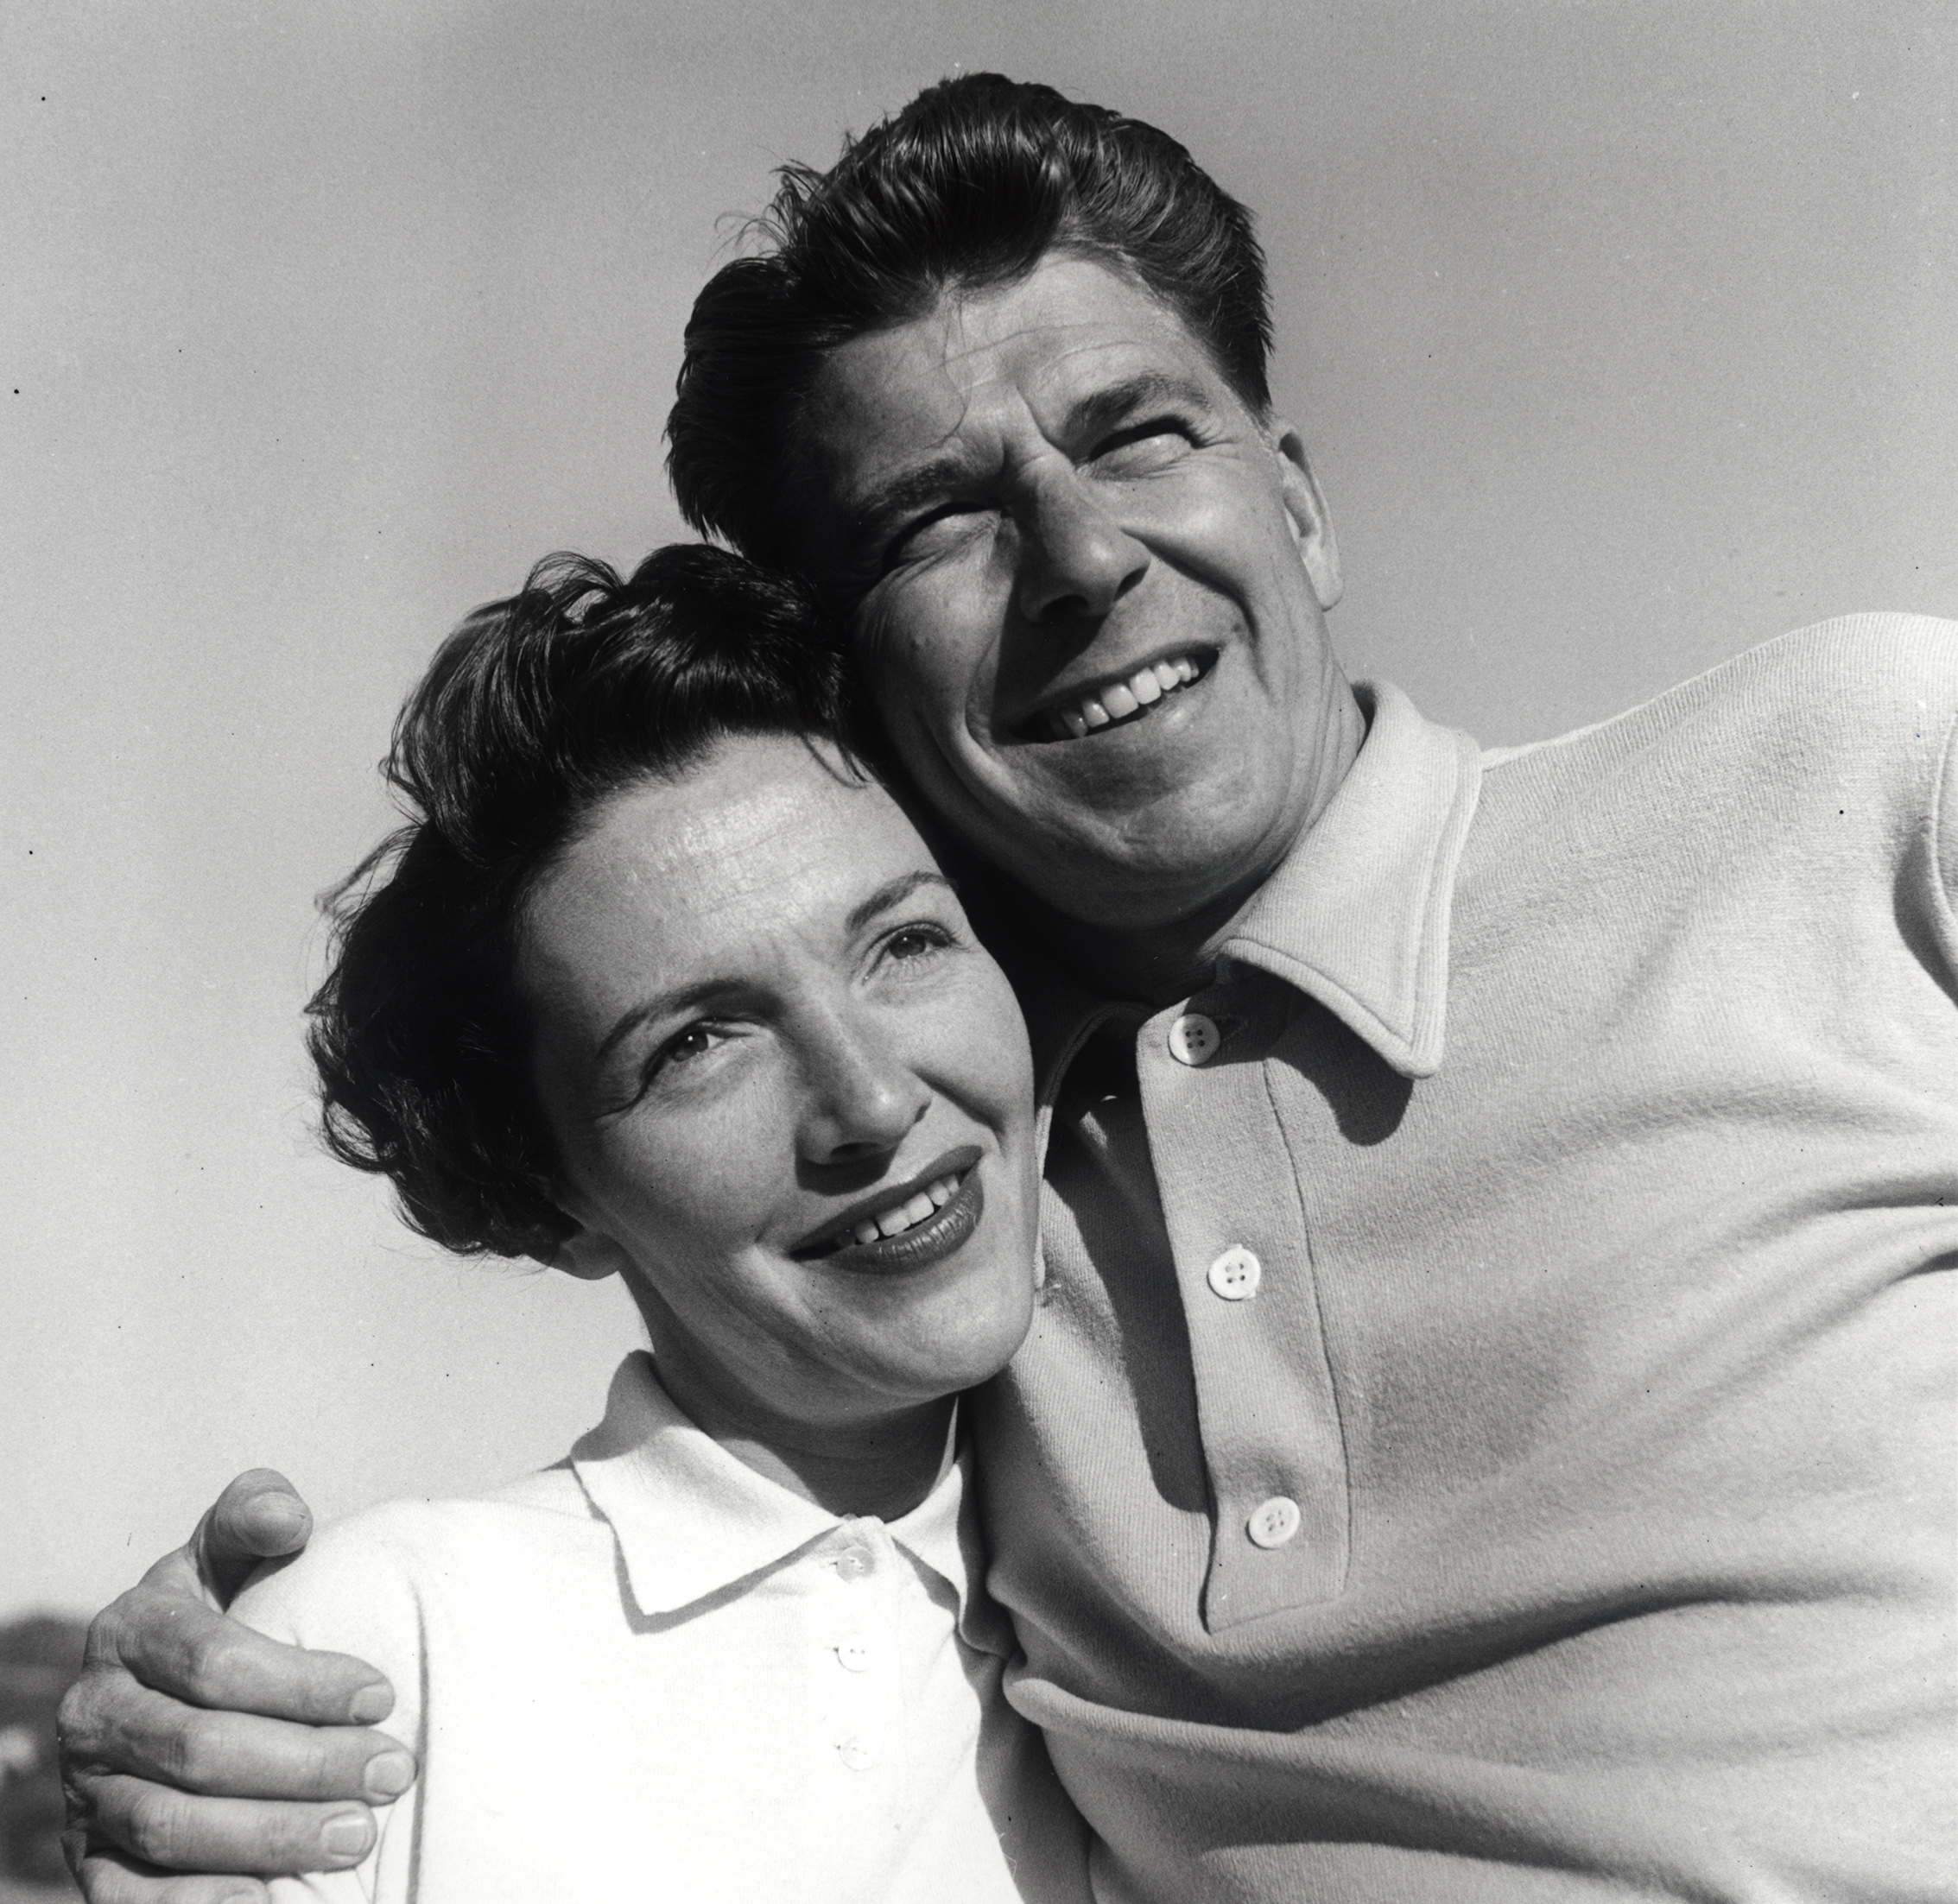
{"x":128,"y":1737}
{"x":258,"y":1517}
{"x":106,"y":1877}
{"x":169,"y":1640}
{"x":173,"y":1829}
{"x":227,"y":1754}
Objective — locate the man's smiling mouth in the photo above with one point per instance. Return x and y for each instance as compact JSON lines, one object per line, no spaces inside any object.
{"x":1119,"y":702}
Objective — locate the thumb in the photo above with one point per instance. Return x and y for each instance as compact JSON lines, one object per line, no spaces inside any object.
{"x":258,"y":1517}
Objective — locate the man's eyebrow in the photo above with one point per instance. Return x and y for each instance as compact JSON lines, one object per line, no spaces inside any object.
{"x":1099,"y":410}
{"x":893,"y":892}
{"x":1118,"y":402}
{"x":911,"y":489}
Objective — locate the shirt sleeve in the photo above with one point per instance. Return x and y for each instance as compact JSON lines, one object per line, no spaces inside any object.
{"x":1944,"y":843}
{"x":352,"y":1591}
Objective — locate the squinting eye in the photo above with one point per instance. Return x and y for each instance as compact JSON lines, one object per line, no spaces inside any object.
{"x":940,"y":527}
{"x":1146,"y":446}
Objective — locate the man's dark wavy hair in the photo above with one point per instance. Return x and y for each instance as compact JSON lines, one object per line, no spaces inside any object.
{"x":533,"y":712}
{"x":971,"y":184}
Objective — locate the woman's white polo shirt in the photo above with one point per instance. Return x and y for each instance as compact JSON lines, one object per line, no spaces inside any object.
{"x":652,"y":1673}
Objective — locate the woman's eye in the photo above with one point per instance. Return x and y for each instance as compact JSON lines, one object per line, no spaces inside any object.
{"x":913,"y":942}
{"x":687,"y":1047}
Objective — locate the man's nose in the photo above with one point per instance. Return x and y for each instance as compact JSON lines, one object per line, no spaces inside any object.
{"x":863,"y":1097}
{"x":1076,"y":560}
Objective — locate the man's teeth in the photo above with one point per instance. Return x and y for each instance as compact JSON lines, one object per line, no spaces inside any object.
{"x":1142,"y":689}
{"x":902,"y":1217}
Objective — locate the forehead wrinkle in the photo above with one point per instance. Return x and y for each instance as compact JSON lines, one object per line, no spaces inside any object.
{"x":733,"y":838}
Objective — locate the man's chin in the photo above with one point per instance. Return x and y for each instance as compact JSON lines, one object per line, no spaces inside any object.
{"x":1139,"y":878}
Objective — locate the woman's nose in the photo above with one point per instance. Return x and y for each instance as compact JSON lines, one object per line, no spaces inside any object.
{"x":1076,"y":560}
{"x":863,"y":1097}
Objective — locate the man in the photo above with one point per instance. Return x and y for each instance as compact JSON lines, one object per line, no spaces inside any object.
{"x":1488,"y":1434}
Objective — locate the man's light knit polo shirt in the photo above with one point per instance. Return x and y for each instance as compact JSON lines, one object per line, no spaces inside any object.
{"x":653,"y":1673}
{"x":1489,"y":1433}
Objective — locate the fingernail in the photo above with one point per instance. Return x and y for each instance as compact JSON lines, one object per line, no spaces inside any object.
{"x":284,"y":1508}
{"x":346,"y":1836}
{"x":389,"y":1774}
{"x":371,"y":1704}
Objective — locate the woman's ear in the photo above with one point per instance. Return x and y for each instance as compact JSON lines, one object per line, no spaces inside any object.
{"x":589,"y":1255}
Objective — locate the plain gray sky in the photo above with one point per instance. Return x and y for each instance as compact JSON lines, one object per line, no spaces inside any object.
{"x":1623,"y":336}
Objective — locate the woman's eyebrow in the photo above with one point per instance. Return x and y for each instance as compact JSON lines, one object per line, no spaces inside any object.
{"x":708,"y":992}
{"x":893,"y":892}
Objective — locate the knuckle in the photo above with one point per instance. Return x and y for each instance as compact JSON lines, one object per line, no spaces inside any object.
{"x":99,"y":1882}
{"x":329,"y":1765}
{"x":74,"y":1718}
{"x":207,"y":1655}
{"x":80,"y":1720}
{"x":155,"y":1826}
{"x":203,"y":1890}
{"x":105,"y":1882}
{"x":117,"y":1631}
{"x":74,"y":1848}
{"x":189,"y":1752}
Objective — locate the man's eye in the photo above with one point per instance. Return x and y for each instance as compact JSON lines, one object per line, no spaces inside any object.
{"x":1147,"y":446}
{"x":935,"y":531}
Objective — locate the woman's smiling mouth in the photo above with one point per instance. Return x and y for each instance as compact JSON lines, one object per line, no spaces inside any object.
{"x":907,"y":1226}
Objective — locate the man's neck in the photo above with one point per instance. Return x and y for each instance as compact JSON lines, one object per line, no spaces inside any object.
{"x":1154,"y":965}
{"x":1158,"y":961}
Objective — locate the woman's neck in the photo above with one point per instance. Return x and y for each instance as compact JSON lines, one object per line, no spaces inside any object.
{"x":884,"y":1465}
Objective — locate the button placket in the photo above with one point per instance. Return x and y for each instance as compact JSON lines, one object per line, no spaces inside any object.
{"x":1267,"y":1415}
{"x":859,"y":1669}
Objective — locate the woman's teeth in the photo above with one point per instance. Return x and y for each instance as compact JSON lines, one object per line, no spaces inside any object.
{"x":1142,"y":689}
{"x":902,"y":1217}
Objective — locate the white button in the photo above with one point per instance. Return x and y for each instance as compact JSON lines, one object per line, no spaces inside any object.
{"x":1194,"y":1039}
{"x":859,"y":1753}
{"x":855,"y":1652}
{"x":1273,"y":1522}
{"x":853,"y":1563}
{"x":1236,"y":1274}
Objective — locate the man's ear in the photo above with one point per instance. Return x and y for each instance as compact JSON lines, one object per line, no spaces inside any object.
{"x":1305,"y":503}
{"x":590,"y":1255}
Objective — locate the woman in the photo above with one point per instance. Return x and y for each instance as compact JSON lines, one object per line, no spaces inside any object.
{"x":660,"y":981}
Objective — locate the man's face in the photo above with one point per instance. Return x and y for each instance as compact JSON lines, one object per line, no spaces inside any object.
{"x":1091,"y":588}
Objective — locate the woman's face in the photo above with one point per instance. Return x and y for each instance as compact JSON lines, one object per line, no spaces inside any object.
{"x":790,"y":1091}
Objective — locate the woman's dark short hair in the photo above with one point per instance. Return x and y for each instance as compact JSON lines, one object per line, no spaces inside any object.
{"x":533,"y":712}
{"x":970,"y":184}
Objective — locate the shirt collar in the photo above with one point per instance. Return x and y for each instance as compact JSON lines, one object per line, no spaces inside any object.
{"x":1357,"y":913}
{"x":691,"y":1519}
